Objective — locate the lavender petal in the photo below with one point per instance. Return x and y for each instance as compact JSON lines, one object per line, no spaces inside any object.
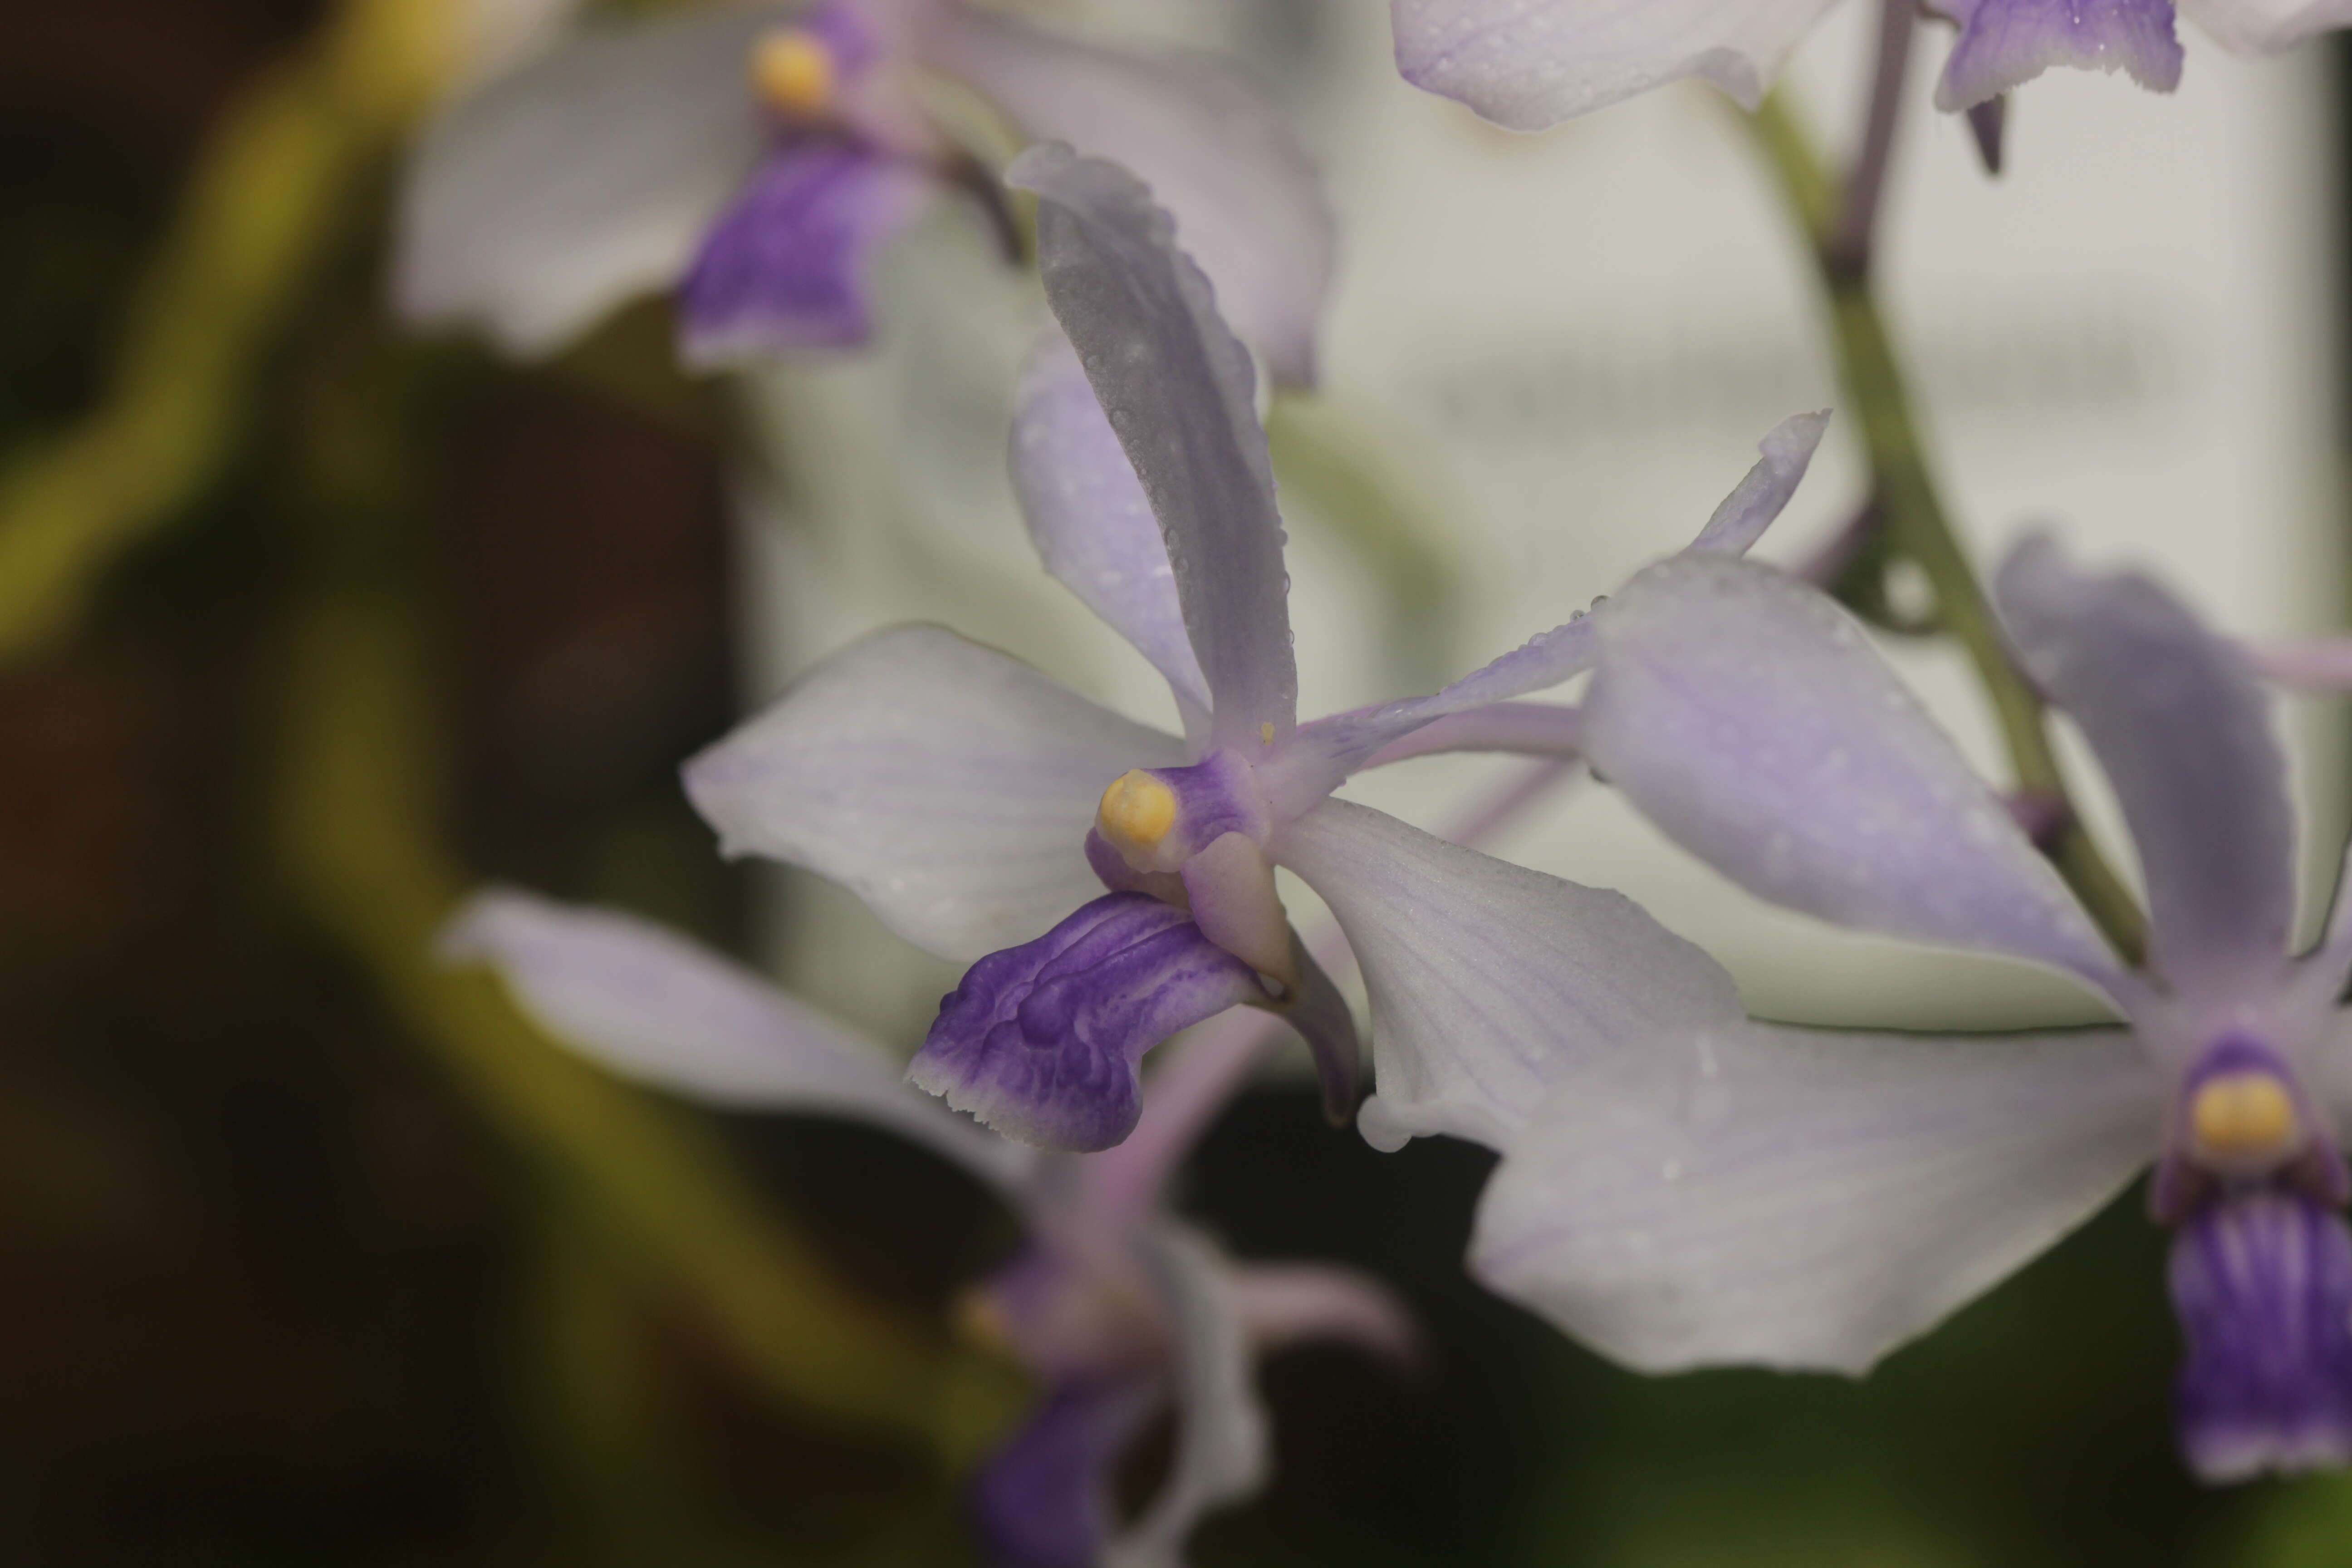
{"x":1216,"y":151}
{"x":1757,"y":501}
{"x":1178,"y":388}
{"x":1091,"y":523}
{"x":1804,"y":1199}
{"x":2181,"y":724}
{"x":1489,"y":982}
{"x":660,"y":1010}
{"x":1750,"y":717}
{"x":1530,"y":64}
{"x":2004,"y":44}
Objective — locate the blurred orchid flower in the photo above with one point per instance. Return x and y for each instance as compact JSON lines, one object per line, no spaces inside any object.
{"x":1528,"y":64}
{"x":756,"y":157}
{"x":963,"y":797}
{"x":1117,"y":1309}
{"x":1733,"y":1192}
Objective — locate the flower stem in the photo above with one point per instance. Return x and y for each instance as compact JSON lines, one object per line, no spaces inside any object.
{"x":1917,"y":526}
{"x":1857,"y":221}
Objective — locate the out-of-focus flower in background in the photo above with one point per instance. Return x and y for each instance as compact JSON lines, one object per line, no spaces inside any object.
{"x":754,"y":158}
{"x":1528,"y":64}
{"x":1117,"y":1309}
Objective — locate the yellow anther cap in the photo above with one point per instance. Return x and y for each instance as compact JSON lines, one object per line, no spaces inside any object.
{"x":792,"y":71}
{"x":2242,"y":1115}
{"x":1138,"y":810}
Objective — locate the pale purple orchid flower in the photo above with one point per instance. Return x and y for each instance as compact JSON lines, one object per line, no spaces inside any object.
{"x":1530,"y":64}
{"x":963,"y":797}
{"x":755,"y":157}
{"x":1119,"y":1309}
{"x":1735,"y":1192}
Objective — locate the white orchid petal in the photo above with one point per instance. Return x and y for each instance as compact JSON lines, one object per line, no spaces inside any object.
{"x":660,"y":1010}
{"x":950,"y":787}
{"x":1800,"y":1199}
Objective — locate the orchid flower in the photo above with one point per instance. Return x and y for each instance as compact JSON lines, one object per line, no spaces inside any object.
{"x":974,"y":805}
{"x":1117,"y":1308}
{"x":755,"y":157}
{"x":1530,"y":64}
{"x":1735,"y":1192}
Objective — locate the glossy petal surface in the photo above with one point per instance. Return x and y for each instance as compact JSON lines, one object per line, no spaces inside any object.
{"x":1488,"y":981}
{"x":1215,"y":149}
{"x":1528,"y":64}
{"x":550,"y":195}
{"x":948,"y":785}
{"x":2181,"y":725}
{"x":1801,"y":1199}
{"x":1091,"y":521}
{"x":1177,"y":388}
{"x":663,"y":1011}
{"x":2007,"y":43}
{"x":1751,"y":719}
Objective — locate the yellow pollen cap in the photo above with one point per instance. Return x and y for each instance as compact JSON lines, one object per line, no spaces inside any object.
{"x":792,"y":72}
{"x":2242,"y":1113}
{"x":1138,"y":810}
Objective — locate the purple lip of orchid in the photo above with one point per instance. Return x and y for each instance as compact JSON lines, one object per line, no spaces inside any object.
{"x":1042,"y":1041}
{"x":2261,"y":1273}
{"x":2262,"y":1282}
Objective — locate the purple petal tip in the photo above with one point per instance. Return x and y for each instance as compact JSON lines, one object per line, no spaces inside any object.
{"x":2005,"y":44}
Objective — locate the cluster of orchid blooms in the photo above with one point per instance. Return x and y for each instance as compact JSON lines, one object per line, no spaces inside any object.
{"x":1679,"y":1186}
